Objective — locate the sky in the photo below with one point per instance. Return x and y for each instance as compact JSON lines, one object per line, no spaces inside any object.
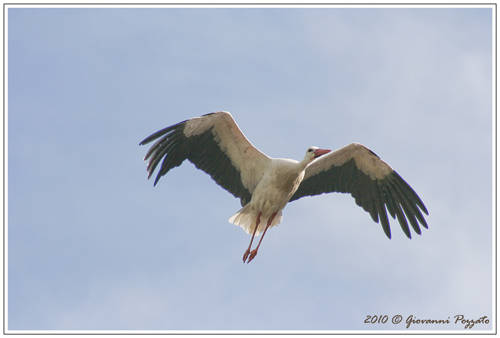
{"x":92,"y":245}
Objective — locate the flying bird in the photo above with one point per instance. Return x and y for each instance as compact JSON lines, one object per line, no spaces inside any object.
{"x":215,"y":144}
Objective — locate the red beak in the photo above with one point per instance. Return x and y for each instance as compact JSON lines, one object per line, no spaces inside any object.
{"x":319,"y":152}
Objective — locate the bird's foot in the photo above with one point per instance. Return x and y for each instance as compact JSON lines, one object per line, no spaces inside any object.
{"x":245,"y":255}
{"x":253,"y":253}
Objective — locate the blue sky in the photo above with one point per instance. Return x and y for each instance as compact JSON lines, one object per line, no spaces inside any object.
{"x":92,"y":245}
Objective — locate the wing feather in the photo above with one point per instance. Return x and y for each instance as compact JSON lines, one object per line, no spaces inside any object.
{"x":382,"y":212}
{"x":213,"y":143}
{"x":375,"y":186}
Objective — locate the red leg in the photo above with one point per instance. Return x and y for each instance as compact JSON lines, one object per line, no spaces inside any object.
{"x":245,"y":255}
{"x":254,"y":252}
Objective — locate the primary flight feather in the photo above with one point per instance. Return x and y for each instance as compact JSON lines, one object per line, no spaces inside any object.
{"x":215,"y":144}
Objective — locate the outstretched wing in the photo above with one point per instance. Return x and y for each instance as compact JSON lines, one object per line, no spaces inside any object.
{"x":214,"y":144}
{"x":375,"y":186}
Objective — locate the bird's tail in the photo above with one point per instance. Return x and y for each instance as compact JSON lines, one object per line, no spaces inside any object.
{"x":246,"y":218}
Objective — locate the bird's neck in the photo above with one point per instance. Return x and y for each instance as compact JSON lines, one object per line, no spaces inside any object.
{"x":304,"y":163}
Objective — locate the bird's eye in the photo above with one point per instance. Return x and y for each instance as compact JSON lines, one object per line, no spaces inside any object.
{"x":309,"y":150}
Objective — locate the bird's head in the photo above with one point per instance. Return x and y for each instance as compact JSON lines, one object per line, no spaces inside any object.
{"x":315,"y":152}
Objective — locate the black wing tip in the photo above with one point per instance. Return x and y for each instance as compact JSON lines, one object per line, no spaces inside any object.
{"x":150,"y":173}
{"x":147,"y":139}
{"x":413,"y":196}
{"x":387,"y":232}
{"x":400,"y":180}
{"x":161,"y":132}
{"x":151,"y":137}
{"x":167,"y":137}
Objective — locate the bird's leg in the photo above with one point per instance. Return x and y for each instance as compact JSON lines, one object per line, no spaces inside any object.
{"x":253,"y":253}
{"x":245,"y":255}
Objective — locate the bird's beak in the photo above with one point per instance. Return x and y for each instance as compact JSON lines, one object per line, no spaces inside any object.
{"x":319,"y":152}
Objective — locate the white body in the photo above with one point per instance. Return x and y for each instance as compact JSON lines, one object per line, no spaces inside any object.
{"x":272,"y":193}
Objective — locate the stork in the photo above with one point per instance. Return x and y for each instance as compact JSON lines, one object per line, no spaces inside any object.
{"x":215,"y":144}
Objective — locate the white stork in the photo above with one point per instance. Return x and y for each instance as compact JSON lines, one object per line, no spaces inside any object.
{"x":215,"y":144}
